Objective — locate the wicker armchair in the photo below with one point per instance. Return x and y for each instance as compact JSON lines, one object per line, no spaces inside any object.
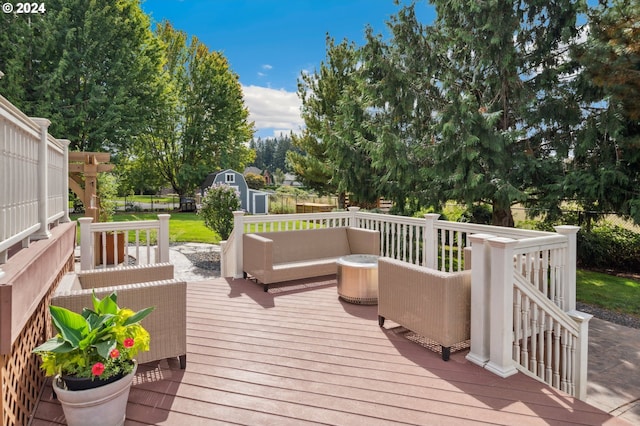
{"x":433,"y":304}
{"x":137,"y":288}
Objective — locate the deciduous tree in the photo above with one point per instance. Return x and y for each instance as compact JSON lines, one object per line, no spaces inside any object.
{"x":204,"y":125}
{"x":91,"y":67}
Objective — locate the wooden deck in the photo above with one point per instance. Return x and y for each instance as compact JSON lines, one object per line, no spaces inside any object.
{"x":299,"y":355}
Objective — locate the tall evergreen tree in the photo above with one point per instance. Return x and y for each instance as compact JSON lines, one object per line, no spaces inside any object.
{"x":483,"y":94}
{"x":401,"y":98}
{"x":604,"y":173}
{"x":335,"y":154}
{"x":204,"y":125}
{"x":283,"y":145}
{"x":271,"y":153}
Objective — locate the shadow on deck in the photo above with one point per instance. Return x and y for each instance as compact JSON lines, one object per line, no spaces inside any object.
{"x":299,"y":355}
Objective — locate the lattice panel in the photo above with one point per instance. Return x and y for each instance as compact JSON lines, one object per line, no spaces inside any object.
{"x":22,"y":379}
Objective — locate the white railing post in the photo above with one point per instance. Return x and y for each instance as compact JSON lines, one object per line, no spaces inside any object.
{"x":163,"y":238}
{"x":480,"y":294}
{"x":501,"y":307}
{"x":430,"y":241}
{"x":238,"y":231}
{"x":352,"y":217}
{"x":43,"y":186}
{"x":570,"y":261}
{"x":223,"y":263}
{"x":86,"y":243}
{"x":65,"y":180}
{"x":582,"y":353}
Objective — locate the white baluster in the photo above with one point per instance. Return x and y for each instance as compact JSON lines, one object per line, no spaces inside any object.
{"x":541,"y":345}
{"x":524,"y":357}
{"x":556,"y":355}
{"x":533,"y":365}
{"x":549,"y":345}
{"x":517,"y":327}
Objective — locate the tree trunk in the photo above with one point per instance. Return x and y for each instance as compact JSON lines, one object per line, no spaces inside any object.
{"x":502,"y":215}
{"x":341,"y":200}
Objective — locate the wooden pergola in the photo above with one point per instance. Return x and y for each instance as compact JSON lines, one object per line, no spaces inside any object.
{"x":83,"y":175}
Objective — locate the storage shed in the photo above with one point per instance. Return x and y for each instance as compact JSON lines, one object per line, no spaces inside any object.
{"x":252,"y":201}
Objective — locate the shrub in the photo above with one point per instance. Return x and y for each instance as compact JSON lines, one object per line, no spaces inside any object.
{"x":218,"y":204}
{"x":453,"y":212}
{"x":278,"y":208}
{"x":425,"y":210}
{"x":255,"y":181}
{"x":609,"y":247}
{"x":477,"y":213}
{"x":107,"y":193}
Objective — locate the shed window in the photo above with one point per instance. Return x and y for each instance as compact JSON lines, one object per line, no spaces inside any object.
{"x":230,"y":178}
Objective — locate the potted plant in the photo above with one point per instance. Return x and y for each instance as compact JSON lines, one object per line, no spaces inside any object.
{"x":92,"y":359}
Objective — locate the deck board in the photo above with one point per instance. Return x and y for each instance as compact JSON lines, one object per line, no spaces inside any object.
{"x":299,"y":355}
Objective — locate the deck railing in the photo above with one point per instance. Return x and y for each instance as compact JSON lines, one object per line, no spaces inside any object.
{"x":35,"y":165}
{"x":145,"y":241}
{"x":523,"y":315}
{"x":523,"y":284}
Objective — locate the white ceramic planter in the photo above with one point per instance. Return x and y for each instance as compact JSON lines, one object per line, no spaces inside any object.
{"x":102,"y":406}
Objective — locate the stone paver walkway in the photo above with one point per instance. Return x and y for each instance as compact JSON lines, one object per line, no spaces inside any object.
{"x":184,"y":268}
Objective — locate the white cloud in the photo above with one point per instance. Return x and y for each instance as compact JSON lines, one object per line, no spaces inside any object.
{"x":267,"y":67}
{"x":273,"y":110}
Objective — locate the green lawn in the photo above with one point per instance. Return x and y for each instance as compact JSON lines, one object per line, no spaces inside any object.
{"x":613,"y":293}
{"x":288,"y":225}
{"x":189,"y":227}
{"x":183,"y":227}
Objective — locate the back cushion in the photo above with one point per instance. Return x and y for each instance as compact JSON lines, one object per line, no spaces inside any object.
{"x":293,"y":246}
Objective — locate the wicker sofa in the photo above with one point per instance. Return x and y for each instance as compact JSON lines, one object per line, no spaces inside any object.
{"x":431,"y":303}
{"x":273,"y":257}
{"x":137,"y":287}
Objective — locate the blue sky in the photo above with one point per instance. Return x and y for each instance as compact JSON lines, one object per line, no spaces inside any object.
{"x":269,"y":43}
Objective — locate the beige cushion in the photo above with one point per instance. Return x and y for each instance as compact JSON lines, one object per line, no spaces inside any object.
{"x":308,"y":244}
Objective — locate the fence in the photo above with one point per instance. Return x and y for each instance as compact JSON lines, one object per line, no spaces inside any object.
{"x":153,"y":203}
{"x":286,"y":203}
{"x":33,"y":172}
{"x":141,"y":241}
{"x":33,"y":206}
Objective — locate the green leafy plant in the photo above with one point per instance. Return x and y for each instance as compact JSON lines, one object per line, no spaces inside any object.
{"x":255,"y":181}
{"x":218,"y":205}
{"x":107,"y":192}
{"x":98,"y":343}
{"x":609,"y":246}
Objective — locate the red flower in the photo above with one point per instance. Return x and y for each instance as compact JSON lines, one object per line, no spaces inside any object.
{"x":128,"y":342}
{"x":97,"y":369}
{"x":114,"y":353}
